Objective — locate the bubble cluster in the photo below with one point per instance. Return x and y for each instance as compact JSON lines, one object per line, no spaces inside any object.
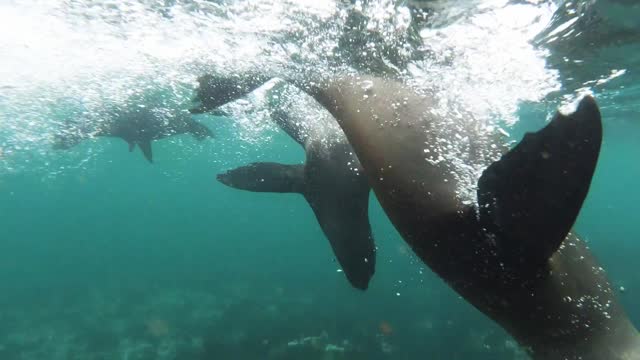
{"x":76,"y":59}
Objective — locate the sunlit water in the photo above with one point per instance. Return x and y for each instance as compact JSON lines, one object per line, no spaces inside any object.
{"x":124,"y":258}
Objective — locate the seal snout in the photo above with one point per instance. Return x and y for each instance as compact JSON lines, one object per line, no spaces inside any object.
{"x":224,"y":178}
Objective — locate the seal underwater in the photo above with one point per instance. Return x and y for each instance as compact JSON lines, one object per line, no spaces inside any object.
{"x":513,"y":255}
{"x":139,"y":126}
{"x":330,"y":181}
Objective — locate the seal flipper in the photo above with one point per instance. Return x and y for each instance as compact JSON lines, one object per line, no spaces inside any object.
{"x":531,"y":197}
{"x":344,"y":219}
{"x":266,"y":177}
{"x":145,"y":146}
{"x":344,"y":223}
{"x":132,"y":146}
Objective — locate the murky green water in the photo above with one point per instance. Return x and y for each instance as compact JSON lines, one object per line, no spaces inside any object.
{"x":106,"y":256}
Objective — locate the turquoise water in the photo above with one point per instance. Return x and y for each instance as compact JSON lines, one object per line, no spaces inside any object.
{"x":105,"y":256}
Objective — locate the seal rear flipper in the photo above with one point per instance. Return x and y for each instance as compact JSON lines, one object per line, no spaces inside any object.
{"x":531,"y":197}
{"x":145,"y":146}
{"x":215,"y":90}
{"x":266,"y":177}
{"x":345,"y":223}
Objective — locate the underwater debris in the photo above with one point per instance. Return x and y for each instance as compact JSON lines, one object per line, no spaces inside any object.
{"x":313,"y":347}
{"x":313,"y":341}
{"x":157,"y":327}
{"x":385,"y":328}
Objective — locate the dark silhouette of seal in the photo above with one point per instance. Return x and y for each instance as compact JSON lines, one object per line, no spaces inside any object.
{"x":512,"y":255}
{"x":139,"y":126}
{"x":330,"y":181}
{"x":216,"y":90}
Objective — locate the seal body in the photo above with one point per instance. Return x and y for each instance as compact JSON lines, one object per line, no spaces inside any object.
{"x":331,"y":180}
{"x":139,"y":126}
{"x":512,"y":256}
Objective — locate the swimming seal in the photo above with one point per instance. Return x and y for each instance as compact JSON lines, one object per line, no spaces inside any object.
{"x":513,"y":255}
{"x":330,"y":180}
{"x":139,"y":126}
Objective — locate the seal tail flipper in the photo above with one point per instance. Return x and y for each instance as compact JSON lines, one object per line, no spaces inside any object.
{"x":531,"y":197}
{"x":266,"y":177}
{"x":145,"y":146}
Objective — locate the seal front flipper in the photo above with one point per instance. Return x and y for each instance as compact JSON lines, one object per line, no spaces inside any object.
{"x":145,"y":146}
{"x":266,"y":177}
{"x":531,"y":197}
{"x":343,"y":217}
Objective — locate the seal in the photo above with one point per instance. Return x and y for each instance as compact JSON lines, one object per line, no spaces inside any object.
{"x":331,"y":181}
{"x":139,"y":126}
{"x":512,"y":255}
